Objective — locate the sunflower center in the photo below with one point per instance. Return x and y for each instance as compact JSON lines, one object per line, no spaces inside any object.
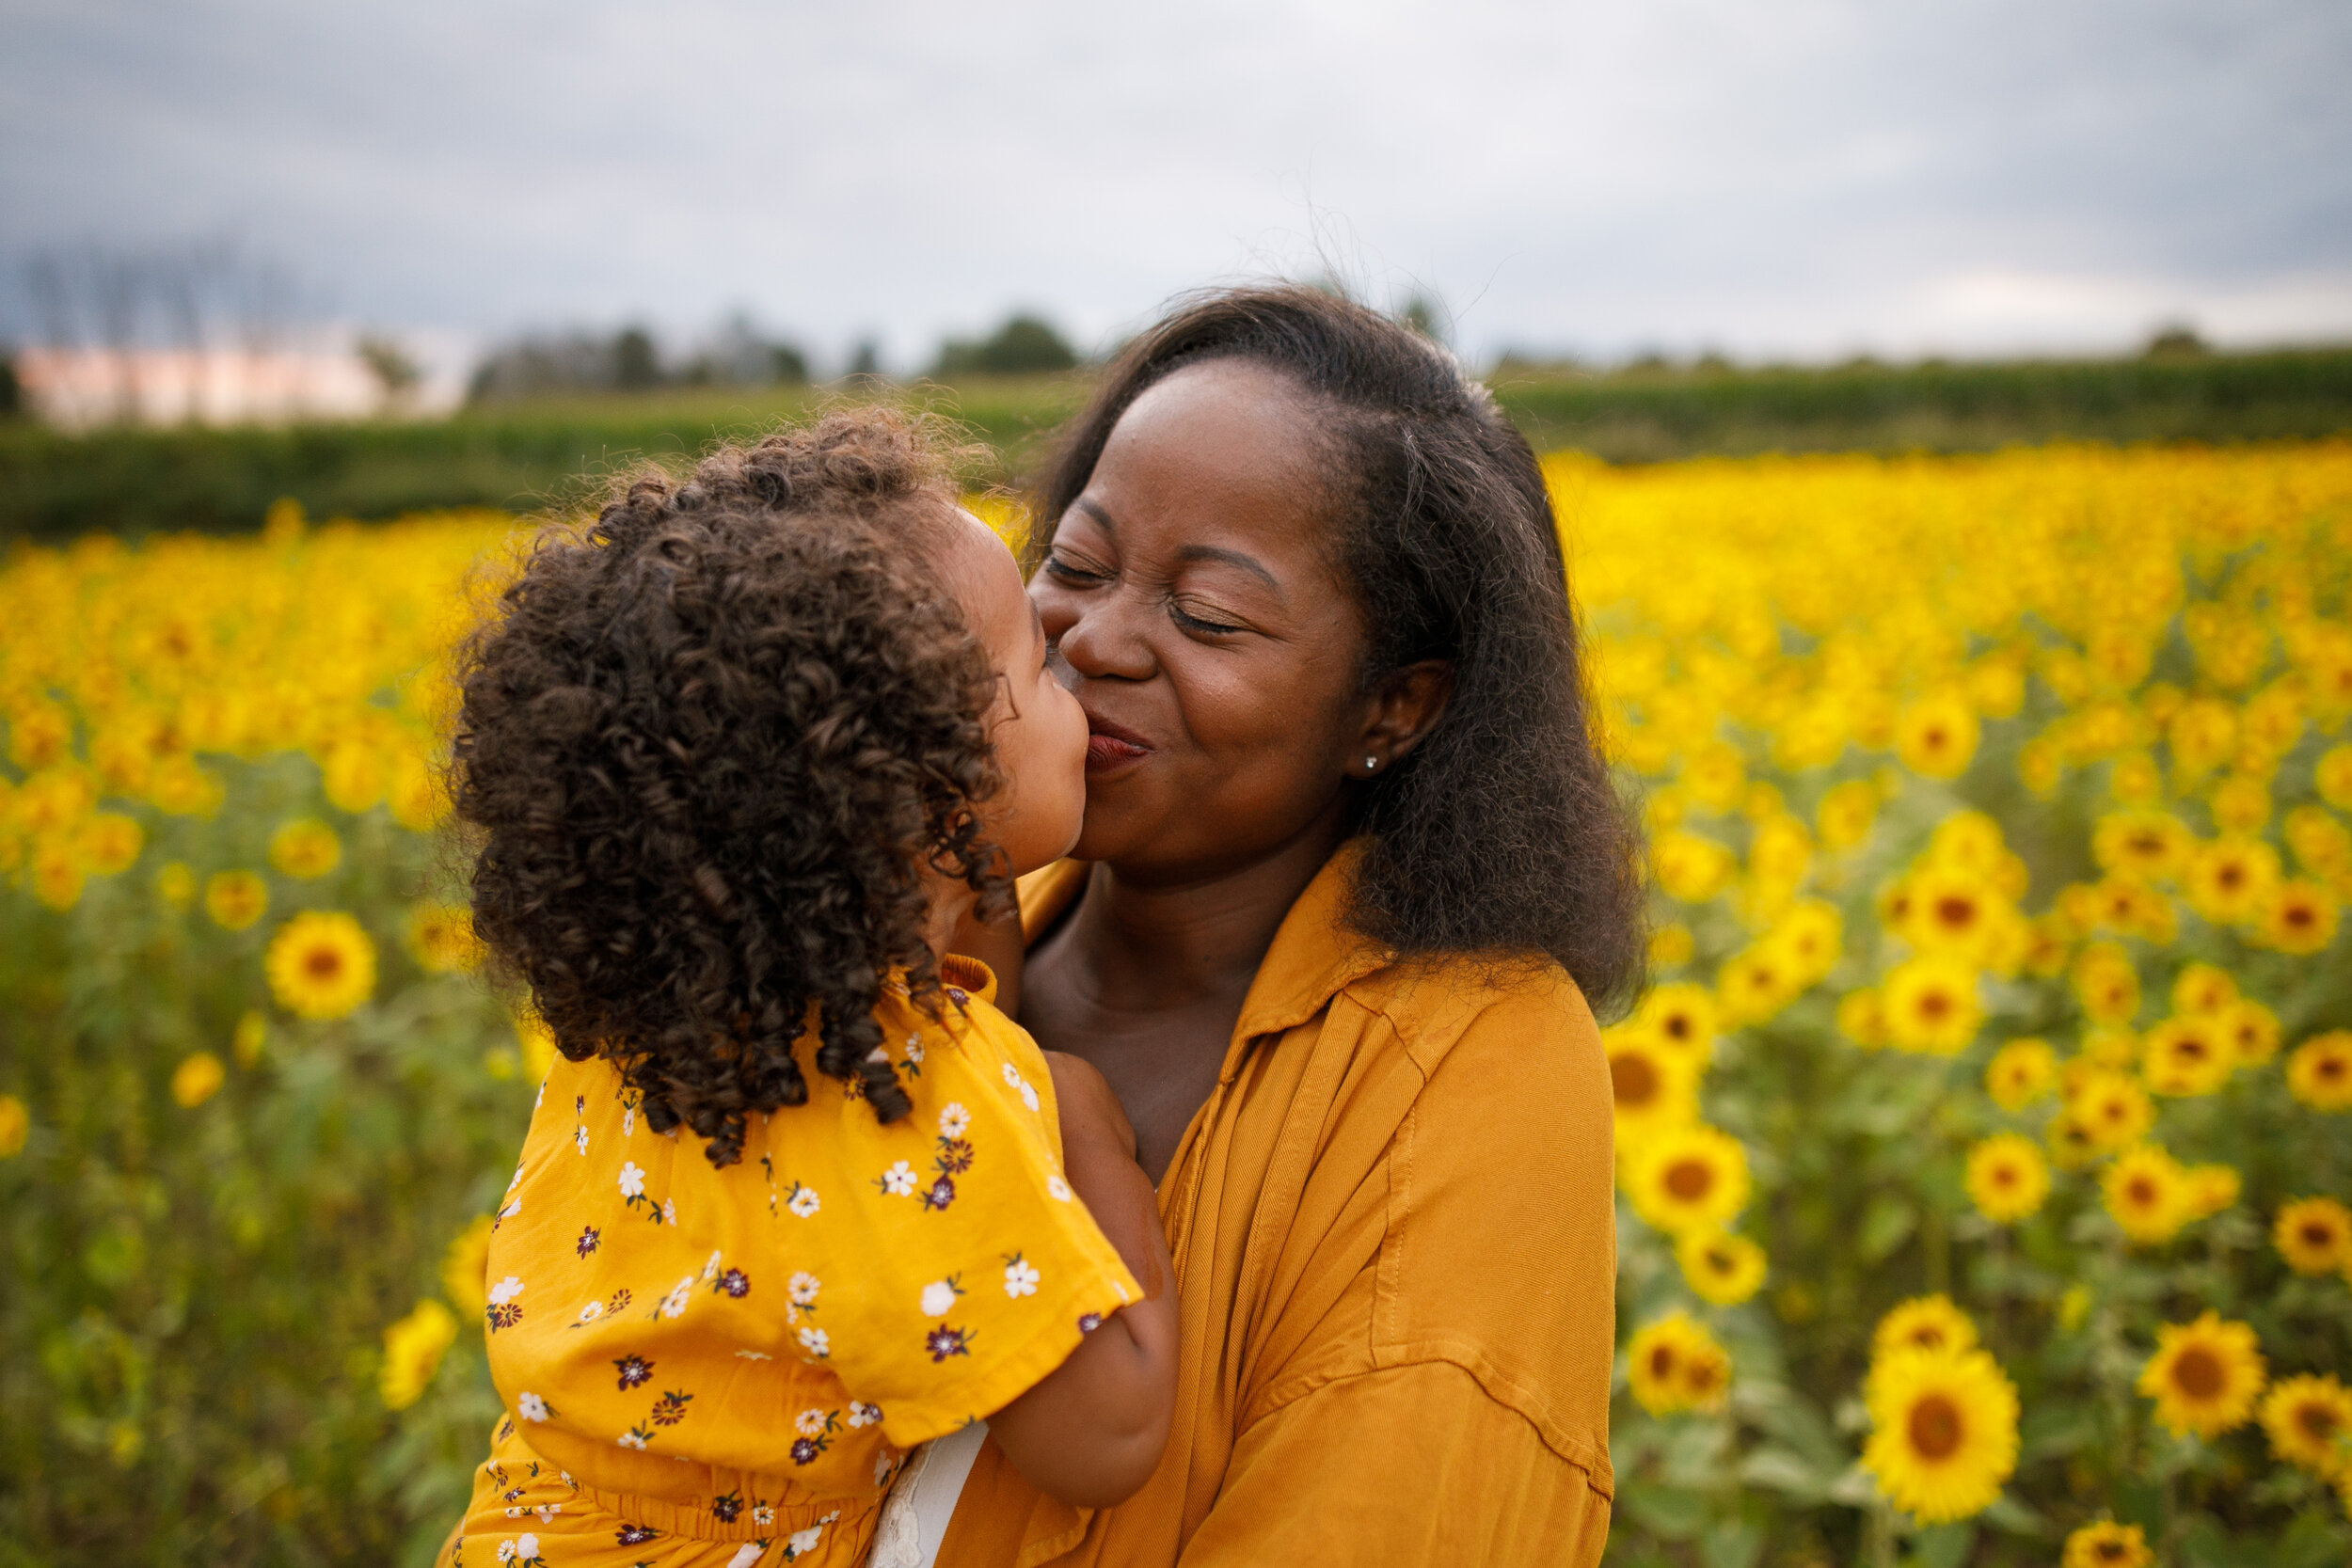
{"x":1634,"y":1078}
{"x":2112,"y":1551}
{"x":2004,"y":1176}
{"x":1935,"y":1004}
{"x":2330,"y":1068}
{"x":1689,"y":1179}
{"x":2317,"y":1235}
{"x":1954,"y":911}
{"x":2141,"y":1190}
{"x":1936,"y":1427}
{"x":1677,"y":1026}
{"x":2197,"y":1373}
{"x":2316,"y":1420}
{"x":2232,"y":877}
{"x":1661,"y":1361}
{"x":322,"y":963}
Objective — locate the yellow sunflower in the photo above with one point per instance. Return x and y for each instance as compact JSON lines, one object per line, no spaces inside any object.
{"x":2203,"y":989}
{"x":175,"y":883}
{"x":1756,"y":983}
{"x":1862,"y":1018}
{"x":1720,"y":1267}
{"x":1681,"y":1017}
{"x":2135,"y":779}
{"x":1654,"y":1089}
{"x":2205,"y":1375}
{"x":2148,"y":1194}
{"x":246,"y":1040}
{"x":465,"y":1268}
{"x":1688,"y":1178}
{"x":2240,"y":804}
{"x":305,"y":848}
{"x":2107,"y":984}
{"x":2313,"y":1235}
{"x":413,"y":1348}
{"x":1845,"y":814}
{"x":2007,"y":1177}
{"x":1809,"y":937}
{"x":1675,"y":1364}
{"x":1943,"y":1432}
{"x":1930,"y":1004}
{"x":1951,"y":911}
{"x":2230,"y":879}
{"x":2108,"y":1545}
{"x":1923,"y":1323}
{"x":2019,"y":1073}
{"x":110,"y":843}
{"x":2319,"y":1073}
{"x":2333,"y":777}
{"x":1936,"y":737}
{"x":235,"y":899}
{"x":2322,"y":843}
{"x":1689,"y":868}
{"x":2144,"y":846}
{"x":2113,"y":1110}
{"x":2252,"y":1030}
{"x":321,"y":965}
{"x":2072,"y":1147}
{"x":2110,"y":1046}
{"x":442,"y":939}
{"x":1670,"y":945}
{"x":2187,"y":1056}
{"x":2212,"y":1189}
{"x":197,"y":1078}
{"x":2308,"y":1421}
{"x":2297,"y":917}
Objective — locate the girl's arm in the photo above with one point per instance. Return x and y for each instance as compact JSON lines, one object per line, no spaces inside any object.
{"x":1092,"y":1433}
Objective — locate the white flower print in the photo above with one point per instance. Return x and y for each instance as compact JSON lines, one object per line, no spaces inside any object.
{"x":1020,"y":1276}
{"x":813,"y":1341}
{"x":803,"y":1289}
{"x":531,"y":1407}
{"x":939,"y":1297}
{"x":953,"y":1120}
{"x":505,"y":1290}
{"x":864,"y":1415}
{"x":547,"y":1511}
{"x":1012,"y":1075}
{"x":763,"y":1514}
{"x":525,"y":1547}
{"x":632,"y":1439}
{"x":899,"y":1180}
{"x":802,"y":1541}
{"x":580,"y":1136}
{"x":712,"y":1267}
{"x":1057,"y":1188}
{"x":506,"y":1548}
{"x":746,"y":1555}
{"x":881,"y":1466}
{"x":509,"y":1211}
{"x":754,"y":1356}
{"x":674,"y":1304}
{"x":809,"y":1423}
{"x":668,"y":1213}
{"x":1028,"y":1097}
{"x":589,"y":1314}
{"x":632,"y":1180}
{"x":915,"y":1048}
{"x":803,"y":1202}
{"x":629,"y":1121}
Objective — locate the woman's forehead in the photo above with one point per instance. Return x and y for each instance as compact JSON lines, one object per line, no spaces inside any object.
{"x":1216,"y":453}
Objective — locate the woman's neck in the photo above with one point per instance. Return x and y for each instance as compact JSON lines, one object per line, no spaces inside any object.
{"x":1157,"y":946}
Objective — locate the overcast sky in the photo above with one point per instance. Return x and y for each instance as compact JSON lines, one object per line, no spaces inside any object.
{"x":1805,"y":177}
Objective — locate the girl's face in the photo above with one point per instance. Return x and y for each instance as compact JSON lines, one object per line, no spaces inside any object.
{"x":1039,"y":729}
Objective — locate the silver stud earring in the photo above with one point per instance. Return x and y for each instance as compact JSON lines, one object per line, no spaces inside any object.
{"x":1371,"y":764}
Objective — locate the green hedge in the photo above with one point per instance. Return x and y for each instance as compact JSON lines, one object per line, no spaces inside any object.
{"x":54,"y":485}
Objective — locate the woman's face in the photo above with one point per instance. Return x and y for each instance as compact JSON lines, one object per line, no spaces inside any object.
{"x":1198,"y":613}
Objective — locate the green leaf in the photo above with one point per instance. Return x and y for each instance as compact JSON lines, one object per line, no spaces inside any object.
{"x":1886,"y":1223}
{"x":2314,"y":1541}
{"x":1944,"y":1545}
{"x":1732,"y":1542}
{"x":1669,"y":1512}
{"x":1778,"y":1470}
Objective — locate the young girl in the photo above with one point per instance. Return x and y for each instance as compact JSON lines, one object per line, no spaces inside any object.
{"x":739,"y":757}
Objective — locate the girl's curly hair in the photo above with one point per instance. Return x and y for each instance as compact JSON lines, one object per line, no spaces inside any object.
{"x":708,"y":746}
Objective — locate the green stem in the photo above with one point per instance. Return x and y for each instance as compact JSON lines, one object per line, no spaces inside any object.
{"x":1935,"y":1238}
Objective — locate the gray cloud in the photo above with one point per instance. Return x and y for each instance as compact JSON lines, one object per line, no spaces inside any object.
{"x":1809,"y":176}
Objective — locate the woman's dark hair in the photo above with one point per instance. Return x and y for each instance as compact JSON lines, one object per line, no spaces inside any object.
{"x":1501,"y":833}
{"x":707,"y":746}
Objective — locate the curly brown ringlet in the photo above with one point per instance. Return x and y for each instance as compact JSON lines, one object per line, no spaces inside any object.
{"x":707,"y":745}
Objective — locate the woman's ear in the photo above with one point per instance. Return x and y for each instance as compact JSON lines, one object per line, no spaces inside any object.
{"x":1406,"y":706}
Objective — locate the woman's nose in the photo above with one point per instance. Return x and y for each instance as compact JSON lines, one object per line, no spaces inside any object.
{"x":1102,"y":639}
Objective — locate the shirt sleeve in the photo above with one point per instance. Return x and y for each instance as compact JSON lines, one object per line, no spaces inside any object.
{"x":940,"y":1265}
{"x":1410,"y":1464}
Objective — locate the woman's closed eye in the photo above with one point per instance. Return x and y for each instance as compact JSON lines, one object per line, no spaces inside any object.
{"x":1207,"y":620}
{"x":1076,"y":573}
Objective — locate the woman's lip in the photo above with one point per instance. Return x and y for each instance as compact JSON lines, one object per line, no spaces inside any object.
{"x":1104,"y":729}
{"x":1107,"y":752}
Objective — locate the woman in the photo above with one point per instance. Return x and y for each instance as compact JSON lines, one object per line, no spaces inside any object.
{"x":1351,"y":871}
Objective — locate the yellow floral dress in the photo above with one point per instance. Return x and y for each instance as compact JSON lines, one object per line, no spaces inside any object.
{"x":706,"y":1367}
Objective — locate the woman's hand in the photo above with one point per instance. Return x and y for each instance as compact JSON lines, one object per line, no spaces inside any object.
{"x":1092,"y":1433}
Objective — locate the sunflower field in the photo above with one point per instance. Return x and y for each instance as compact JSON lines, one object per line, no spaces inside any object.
{"x":1985,"y":1139}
